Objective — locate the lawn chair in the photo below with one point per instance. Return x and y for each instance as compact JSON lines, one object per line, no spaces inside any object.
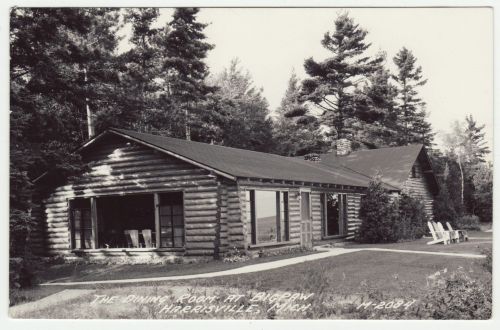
{"x":451,"y":234}
{"x":438,"y":236}
{"x":147,"y":236}
{"x":459,"y":233}
{"x":132,"y":237}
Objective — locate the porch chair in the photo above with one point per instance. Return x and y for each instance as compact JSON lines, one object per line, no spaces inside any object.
{"x":438,"y":236}
{"x":132,"y":237}
{"x":148,"y":239}
{"x":459,"y":233}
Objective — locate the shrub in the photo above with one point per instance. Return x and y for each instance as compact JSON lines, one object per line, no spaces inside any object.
{"x":468,"y":222}
{"x":235,"y":255}
{"x":457,"y":296}
{"x":378,"y":216}
{"x":21,"y":273}
{"x":412,"y":222}
{"x":488,"y":261}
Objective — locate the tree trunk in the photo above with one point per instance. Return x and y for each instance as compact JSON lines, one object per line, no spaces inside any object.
{"x":90,"y":119}
{"x":461,"y":180}
{"x":186,"y":124}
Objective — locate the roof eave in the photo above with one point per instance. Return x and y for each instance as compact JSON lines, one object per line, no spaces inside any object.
{"x":173,"y":154}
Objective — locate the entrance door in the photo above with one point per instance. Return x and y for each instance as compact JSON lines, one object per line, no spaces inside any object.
{"x":306,"y":221}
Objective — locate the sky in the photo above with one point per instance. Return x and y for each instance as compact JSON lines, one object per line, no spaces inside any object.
{"x":454,"y":46}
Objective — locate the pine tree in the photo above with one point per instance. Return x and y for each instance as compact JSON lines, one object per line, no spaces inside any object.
{"x":413,"y":127}
{"x":186,"y":49}
{"x":376,"y":105}
{"x":295,"y":132}
{"x":140,"y":71}
{"x":247,"y":124}
{"x":474,"y":142}
{"x":50,"y":51}
{"x":332,"y":80}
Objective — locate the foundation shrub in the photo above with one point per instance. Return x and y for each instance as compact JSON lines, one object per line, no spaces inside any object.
{"x":378,"y":216}
{"x":468,"y":222}
{"x":412,"y":219}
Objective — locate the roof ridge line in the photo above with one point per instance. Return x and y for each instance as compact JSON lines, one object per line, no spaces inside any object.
{"x":204,"y":143}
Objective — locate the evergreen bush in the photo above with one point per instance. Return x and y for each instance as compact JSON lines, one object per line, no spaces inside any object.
{"x":412,"y":221}
{"x":468,"y":222}
{"x":379,"y":216}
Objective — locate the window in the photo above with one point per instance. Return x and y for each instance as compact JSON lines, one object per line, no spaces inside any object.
{"x":414,"y":172}
{"x":334,"y":213}
{"x":171,"y":220}
{"x":268,"y":213}
{"x":81,"y":233}
{"x":130,"y":221}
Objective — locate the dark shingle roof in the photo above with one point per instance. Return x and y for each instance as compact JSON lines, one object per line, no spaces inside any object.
{"x":393,"y":164}
{"x":241,"y":163}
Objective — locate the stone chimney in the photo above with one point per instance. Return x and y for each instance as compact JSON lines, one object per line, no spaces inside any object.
{"x":343,"y":147}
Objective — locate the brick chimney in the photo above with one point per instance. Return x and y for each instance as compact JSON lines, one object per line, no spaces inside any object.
{"x":343,"y":147}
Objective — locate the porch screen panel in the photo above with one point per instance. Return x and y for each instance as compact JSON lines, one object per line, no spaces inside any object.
{"x":171,"y":220}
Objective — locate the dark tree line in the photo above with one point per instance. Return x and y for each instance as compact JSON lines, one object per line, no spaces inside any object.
{"x":66,"y":67}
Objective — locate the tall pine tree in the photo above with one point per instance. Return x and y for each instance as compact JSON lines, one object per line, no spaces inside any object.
{"x":295,"y":132}
{"x":474,"y":142}
{"x":332,"y":80}
{"x":412,"y":124}
{"x":376,"y":104}
{"x":51,"y":49}
{"x":247,"y":124}
{"x":139,"y":74}
{"x":186,"y":72}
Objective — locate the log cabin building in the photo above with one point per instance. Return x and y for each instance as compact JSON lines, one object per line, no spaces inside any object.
{"x":148,"y":195}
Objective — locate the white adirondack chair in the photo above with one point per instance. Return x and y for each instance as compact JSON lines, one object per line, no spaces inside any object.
{"x":458,"y":233}
{"x":438,"y":236}
{"x":442,"y":230}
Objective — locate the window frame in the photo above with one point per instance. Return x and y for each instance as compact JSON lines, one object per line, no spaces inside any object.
{"x":279,"y":193}
{"x":71,"y":228}
{"x":343,"y":214}
{"x":157,"y":206}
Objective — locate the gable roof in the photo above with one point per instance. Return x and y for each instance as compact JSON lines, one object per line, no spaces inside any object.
{"x":393,"y":164}
{"x":236,"y":163}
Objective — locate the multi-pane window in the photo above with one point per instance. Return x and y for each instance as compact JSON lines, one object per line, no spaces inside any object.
{"x":268,"y":212}
{"x":81,"y":224}
{"x":334,"y":212}
{"x":171,"y":220}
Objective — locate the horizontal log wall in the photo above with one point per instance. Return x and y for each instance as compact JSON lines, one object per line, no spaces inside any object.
{"x":419,"y":188}
{"x":353,"y":221}
{"x":118,"y":167}
{"x":317,"y":217}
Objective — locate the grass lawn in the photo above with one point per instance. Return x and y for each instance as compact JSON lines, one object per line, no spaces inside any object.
{"x":473,"y":246}
{"x":95,"y":272}
{"x":338,"y":283}
{"x":348,"y":278}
